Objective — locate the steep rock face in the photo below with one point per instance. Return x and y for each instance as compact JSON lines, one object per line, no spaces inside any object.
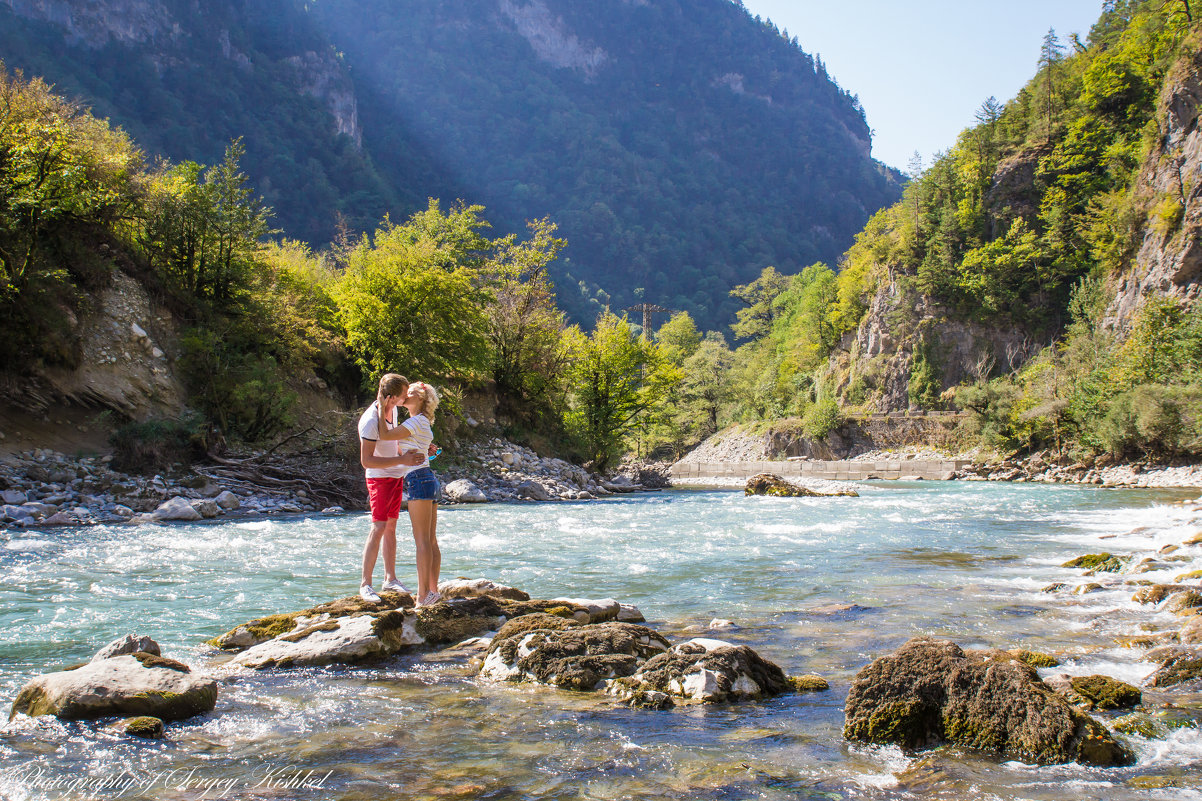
{"x":1169,"y":261}
{"x":879,"y":356}
{"x":550,"y":38}
{"x":322,"y":76}
{"x":95,"y":24}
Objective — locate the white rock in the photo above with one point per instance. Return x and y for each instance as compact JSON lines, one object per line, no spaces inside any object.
{"x":208,"y":509}
{"x":702,"y":685}
{"x":704,"y":642}
{"x":333,"y":510}
{"x":130,"y":643}
{"x":344,"y":639}
{"x":722,"y":623}
{"x":464,"y":491}
{"x":477,"y":588}
{"x":227,"y":501}
{"x":138,"y":331}
{"x":176,"y":509}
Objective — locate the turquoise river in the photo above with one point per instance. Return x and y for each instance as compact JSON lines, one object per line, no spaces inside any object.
{"x":960,"y":560}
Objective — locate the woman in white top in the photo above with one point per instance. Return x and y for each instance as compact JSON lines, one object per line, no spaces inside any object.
{"x":421,"y":485}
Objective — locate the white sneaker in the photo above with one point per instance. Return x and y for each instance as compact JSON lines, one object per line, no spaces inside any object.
{"x":368,"y":594}
{"x":432,"y":597}
{"x":392,"y":585}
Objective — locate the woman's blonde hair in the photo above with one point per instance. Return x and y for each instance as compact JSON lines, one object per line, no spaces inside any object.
{"x":429,"y":396}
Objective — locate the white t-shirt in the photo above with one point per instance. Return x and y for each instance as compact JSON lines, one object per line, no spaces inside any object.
{"x":369,"y":429}
{"x":421,"y":435}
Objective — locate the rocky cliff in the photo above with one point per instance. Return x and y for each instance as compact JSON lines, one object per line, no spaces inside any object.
{"x":1169,"y":260}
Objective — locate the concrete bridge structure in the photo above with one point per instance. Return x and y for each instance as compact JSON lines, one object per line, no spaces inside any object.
{"x":729,"y":472}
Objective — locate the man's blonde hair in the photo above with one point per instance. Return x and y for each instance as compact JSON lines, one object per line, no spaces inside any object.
{"x":429,"y":396}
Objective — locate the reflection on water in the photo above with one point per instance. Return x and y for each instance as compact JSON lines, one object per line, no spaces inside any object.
{"x":817,"y":585}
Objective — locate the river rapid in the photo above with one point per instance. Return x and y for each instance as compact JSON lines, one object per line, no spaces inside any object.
{"x":960,"y":560}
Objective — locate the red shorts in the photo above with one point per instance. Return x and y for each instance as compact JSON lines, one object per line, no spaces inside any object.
{"x":384,"y":497}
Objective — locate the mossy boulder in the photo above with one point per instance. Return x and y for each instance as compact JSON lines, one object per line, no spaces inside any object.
{"x":1034,"y":658}
{"x":931,"y":691}
{"x":1185,"y":667}
{"x":1184,"y":601}
{"x":712,"y":671}
{"x":1099,"y":562}
{"x":1103,"y":692}
{"x":773,"y":485}
{"x":456,"y":620}
{"x":1156,"y":593}
{"x":1192,"y":575}
{"x":575,"y":657}
{"x":130,"y":684}
{"x":809,"y":684}
{"x":145,"y":727}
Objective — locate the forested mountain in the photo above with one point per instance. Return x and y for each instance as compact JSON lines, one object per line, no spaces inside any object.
{"x":1042,"y":274}
{"x":680,"y":146}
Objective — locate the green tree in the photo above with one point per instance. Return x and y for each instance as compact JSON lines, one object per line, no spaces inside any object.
{"x":756,"y":319}
{"x":523,"y":324}
{"x":613,"y":378}
{"x":412,"y":298}
{"x":678,"y":338}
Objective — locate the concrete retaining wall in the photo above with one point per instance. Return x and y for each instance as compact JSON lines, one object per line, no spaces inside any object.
{"x":725,"y":472}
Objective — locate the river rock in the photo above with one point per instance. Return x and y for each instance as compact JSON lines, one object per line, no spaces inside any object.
{"x":534,"y":490}
{"x":14,"y":497}
{"x":930,"y":691}
{"x":336,"y":640}
{"x":131,"y":684}
{"x":594,"y":611}
{"x":464,"y":491}
{"x":457,"y":619}
{"x":146,"y":727}
{"x":481,"y":587}
{"x":228,"y":501}
{"x":129,"y":644}
{"x":577,"y":657}
{"x":706,"y":670}
{"x":1179,"y":669}
{"x":629,"y":613}
{"x":208,"y":509}
{"x":1096,"y":691}
{"x":1157,"y":593}
{"x":1099,"y":562}
{"x":774,"y":485}
{"x":176,"y":509}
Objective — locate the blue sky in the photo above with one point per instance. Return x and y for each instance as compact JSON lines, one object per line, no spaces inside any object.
{"x":922,"y":68}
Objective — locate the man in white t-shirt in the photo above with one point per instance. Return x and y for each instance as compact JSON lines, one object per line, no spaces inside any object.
{"x":385,"y":469}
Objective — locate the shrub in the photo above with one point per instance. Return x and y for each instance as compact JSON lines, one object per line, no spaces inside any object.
{"x":153,"y":445}
{"x":821,"y":418}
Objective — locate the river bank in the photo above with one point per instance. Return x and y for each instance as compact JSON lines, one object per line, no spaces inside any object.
{"x":737,"y":445}
{"x":43,"y":487}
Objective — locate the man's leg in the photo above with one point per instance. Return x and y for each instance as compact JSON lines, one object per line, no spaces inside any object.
{"x":372,"y":547}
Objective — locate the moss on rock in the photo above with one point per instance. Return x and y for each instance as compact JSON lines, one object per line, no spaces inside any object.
{"x":1034,"y":658}
{"x":1099,"y":562}
{"x":1103,"y":692}
{"x":145,"y":726}
{"x":808,"y":684}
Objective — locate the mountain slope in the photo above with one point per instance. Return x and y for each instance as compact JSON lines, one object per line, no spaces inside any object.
{"x":681,"y":147}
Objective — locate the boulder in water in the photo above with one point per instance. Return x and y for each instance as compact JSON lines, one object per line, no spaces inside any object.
{"x":481,"y":587}
{"x":464,"y":491}
{"x":130,"y":684}
{"x":575,"y":657}
{"x":930,"y":692}
{"x":774,"y":485}
{"x":707,"y":670}
{"x":129,"y":644}
{"x":336,"y":640}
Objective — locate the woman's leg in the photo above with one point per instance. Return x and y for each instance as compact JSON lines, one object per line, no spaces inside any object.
{"x":421,"y":513}
{"x":435,"y":551}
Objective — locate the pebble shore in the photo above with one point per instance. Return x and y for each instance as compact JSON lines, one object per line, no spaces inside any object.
{"x":46,"y":488}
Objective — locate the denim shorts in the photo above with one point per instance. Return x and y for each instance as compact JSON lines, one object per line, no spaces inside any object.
{"x":421,"y":485}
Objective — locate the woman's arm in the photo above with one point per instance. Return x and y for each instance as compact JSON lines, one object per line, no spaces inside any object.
{"x":368,"y":458}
